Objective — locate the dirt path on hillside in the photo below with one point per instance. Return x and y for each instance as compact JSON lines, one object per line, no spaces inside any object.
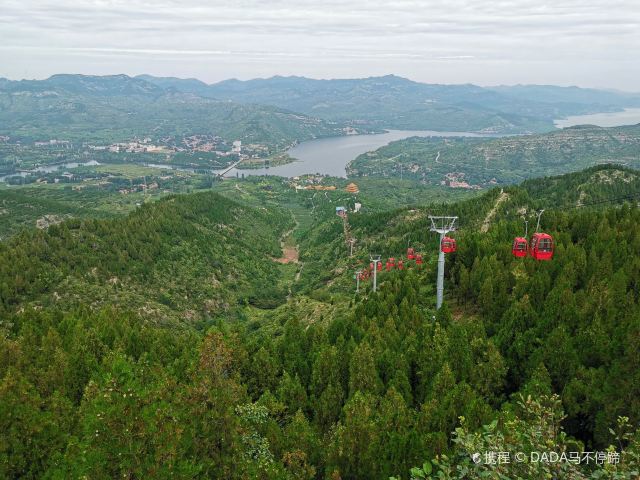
{"x":290,"y":252}
{"x":487,"y":221}
{"x":290,"y":255}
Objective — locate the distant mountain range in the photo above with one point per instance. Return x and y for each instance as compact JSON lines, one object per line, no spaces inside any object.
{"x":396,"y":102}
{"x":118,"y":107}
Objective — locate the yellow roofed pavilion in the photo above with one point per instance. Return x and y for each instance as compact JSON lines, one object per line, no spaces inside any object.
{"x":352,"y":188}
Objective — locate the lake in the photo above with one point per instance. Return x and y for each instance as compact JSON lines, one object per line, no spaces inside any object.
{"x":629,"y":116}
{"x":330,"y":156}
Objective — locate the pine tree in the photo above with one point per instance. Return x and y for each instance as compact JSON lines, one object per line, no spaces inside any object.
{"x":363,"y":376}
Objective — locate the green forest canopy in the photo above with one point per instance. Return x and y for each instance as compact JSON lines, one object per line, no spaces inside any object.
{"x":371,"y":390}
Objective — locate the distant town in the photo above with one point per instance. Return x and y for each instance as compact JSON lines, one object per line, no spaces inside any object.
{"x":48,"y":160}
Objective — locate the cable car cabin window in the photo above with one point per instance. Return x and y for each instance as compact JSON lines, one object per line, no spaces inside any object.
{"x":545,"y":245}
{"x":519,"y":246}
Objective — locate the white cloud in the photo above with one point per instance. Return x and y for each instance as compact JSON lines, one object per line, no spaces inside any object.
{"x":589,"y":42}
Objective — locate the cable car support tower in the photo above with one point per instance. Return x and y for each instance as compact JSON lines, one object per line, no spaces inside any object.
{"x":442,"y":225}
{"x":375,"y":259}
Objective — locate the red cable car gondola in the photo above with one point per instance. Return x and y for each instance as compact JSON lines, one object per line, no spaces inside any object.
{"x":391,"y":263}
{"x":520,"y":247}
{"x":400,"y":265}
{"x":411,"y":254}
{"x":448,"y":245}
{"x":541,"y":247}
{"x":418,"y":259}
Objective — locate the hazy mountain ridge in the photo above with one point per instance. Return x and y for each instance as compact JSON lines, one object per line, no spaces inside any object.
{"x":74,"y":102}
{"x":117,"y":108}
{"x":187,"y":85}
{"x":395,"y":102}
{"x":86,"y":84}
{"x":569,"y":95}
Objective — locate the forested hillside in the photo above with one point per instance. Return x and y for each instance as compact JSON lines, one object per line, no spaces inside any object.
{"x":325,"y":384}
{"x":577,"y":315}
{"x":185,"y":257}
{"x":596,"y":187}
{"x":505,"y":160}
{"x":28,"y":208}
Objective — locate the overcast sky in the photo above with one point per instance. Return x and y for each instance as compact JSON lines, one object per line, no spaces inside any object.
{"x":565,"y":42}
